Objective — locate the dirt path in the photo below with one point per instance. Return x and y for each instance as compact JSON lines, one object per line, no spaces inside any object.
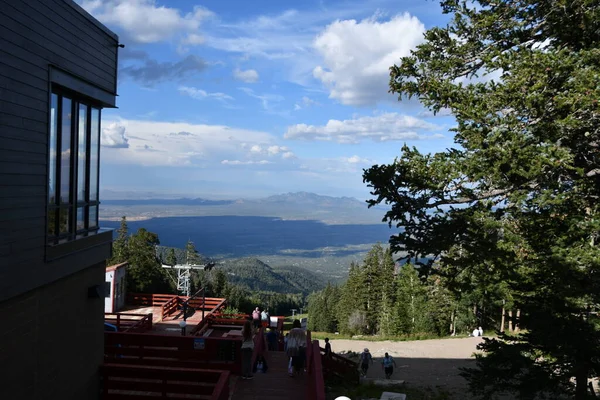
{"x":423,"y":363}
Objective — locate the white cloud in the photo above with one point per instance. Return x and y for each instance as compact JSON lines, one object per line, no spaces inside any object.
{"x":273,"y":150}
{"x":266,"y":99}
{"x":357,"y":56}
{"x":194,"y":39}
{"x":200,"y":94}
{"x":177,"y":144}
{"x":256,"y":149}
{"x":248,"y":76}
{"x":305,"y":103}
{"x":144,"y":21}
{"x":358,"y":160}
{"x":382,"y":127}
{"x":288,"y":155}
{"x":238,"y":162}
{"x":113,"y":135}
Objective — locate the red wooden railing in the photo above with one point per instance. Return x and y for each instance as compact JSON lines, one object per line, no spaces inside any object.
{"x":140,"y":382}
{"x":340,"y":366}
{"x":260,"y":345}
{"x":148,"y":299}
{"x":169,"y":307}
{"x":314,"y":368}
{"x":130,"y":322}
{"x":173,"y":351}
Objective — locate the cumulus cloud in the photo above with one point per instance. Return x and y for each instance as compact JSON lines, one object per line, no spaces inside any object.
{"x":149,"y":71}
{"x":113,"y":135}
{"x":154,"y":143}
{"x":357,"y":56}
{"x":143,"y":21}
{"x":358,"y":160}
{"x":256,"y":149}
{"x":383,"y":127}
{"x":250,"y":162}
{"x":288,"y":155}
{"x":200,"y":94}
{"x":248,"y":76}
{"x":273,"y":150}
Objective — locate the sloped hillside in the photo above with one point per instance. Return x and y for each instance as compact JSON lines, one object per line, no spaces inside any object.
{"x":256,"y":275}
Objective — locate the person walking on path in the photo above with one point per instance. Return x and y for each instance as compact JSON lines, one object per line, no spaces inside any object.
{"x":365,"y":360}
{"x":296,"y":349}
{"x":387,"y":365}
{"x":247,"y":350}
{"x":327,"y":348}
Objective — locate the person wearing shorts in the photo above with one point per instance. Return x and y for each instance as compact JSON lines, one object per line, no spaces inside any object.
{"x":388,"y":364}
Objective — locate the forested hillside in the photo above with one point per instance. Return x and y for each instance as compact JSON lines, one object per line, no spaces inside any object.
{"x":256,"y":275}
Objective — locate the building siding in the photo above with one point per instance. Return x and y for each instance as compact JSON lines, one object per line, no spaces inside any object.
{"x":51,"y":340}
{"x":36,"y":35}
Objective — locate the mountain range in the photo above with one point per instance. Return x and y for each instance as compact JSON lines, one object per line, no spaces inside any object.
{"x":295,"y":206}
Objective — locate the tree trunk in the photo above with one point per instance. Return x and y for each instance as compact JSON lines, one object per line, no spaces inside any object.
{"x":502,"y":320}
{"x":517,"y":320}
{"x":510,"y":321}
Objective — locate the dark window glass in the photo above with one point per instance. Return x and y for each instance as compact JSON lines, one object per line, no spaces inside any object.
{"x":107,"y":289}
{"x":82,"y":130}
{"x":94,"y":153}
{"x":80,"y":218}
{"x":64,"y":220}
{"x":74,"y":153}
{"x":93,"y":217}
{"x":65,"y":152}
{"x":52,"y":149}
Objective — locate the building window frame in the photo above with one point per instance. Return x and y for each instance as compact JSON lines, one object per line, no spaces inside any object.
{"x":74,"y":157}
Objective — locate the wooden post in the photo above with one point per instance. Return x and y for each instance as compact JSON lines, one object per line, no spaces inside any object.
{"x":517,"y":320}
{"x":510,"y":321}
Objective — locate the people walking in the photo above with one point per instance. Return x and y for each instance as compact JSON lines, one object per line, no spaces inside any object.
{"x":365,"y":360}
{"x":296,"y":349}
{"x":387,"y":365}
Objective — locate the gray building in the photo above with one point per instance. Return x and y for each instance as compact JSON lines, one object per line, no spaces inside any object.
{"x":58,"y":70}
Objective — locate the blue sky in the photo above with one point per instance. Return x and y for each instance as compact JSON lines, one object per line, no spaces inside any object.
{"x":231,"y":98}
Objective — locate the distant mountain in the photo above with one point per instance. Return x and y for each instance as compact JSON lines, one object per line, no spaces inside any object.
{"x":289,"y":206}
{"x":167,"y":202}
{"x":312,"y":199}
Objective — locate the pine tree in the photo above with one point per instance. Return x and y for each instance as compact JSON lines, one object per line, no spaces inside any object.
{"x":145,"y":273}
{"x":519,"y":190}
{"x":191,"y":254}
{"x":120,"y":246}
{"x":171,"y":259}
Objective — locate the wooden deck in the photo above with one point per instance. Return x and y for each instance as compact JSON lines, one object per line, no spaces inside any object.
{"x":274,"y":384}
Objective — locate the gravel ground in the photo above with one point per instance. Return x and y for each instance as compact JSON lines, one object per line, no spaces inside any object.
{"x":422,"y":363}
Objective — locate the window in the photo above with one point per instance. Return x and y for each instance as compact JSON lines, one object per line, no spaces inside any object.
{"x":73,"y":168}
{"x":107,"y":289}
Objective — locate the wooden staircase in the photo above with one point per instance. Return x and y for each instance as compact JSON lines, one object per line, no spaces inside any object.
{"x":273,"y":384}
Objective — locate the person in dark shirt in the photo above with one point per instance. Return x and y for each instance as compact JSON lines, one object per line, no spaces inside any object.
{"x":272,"y":339}
{"x":327,"y":348}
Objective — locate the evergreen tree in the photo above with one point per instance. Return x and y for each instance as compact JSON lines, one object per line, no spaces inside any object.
{"x":410,"y":302}
{"x":191,"y":254}
{"x":120,"y":244}
{"x":171,"y":259}
{"x":144,"y":273}
{"x":524,"y":172}
{"x":351,"y":298}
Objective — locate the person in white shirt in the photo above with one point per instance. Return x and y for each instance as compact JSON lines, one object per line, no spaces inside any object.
{"x":475,"y":332}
